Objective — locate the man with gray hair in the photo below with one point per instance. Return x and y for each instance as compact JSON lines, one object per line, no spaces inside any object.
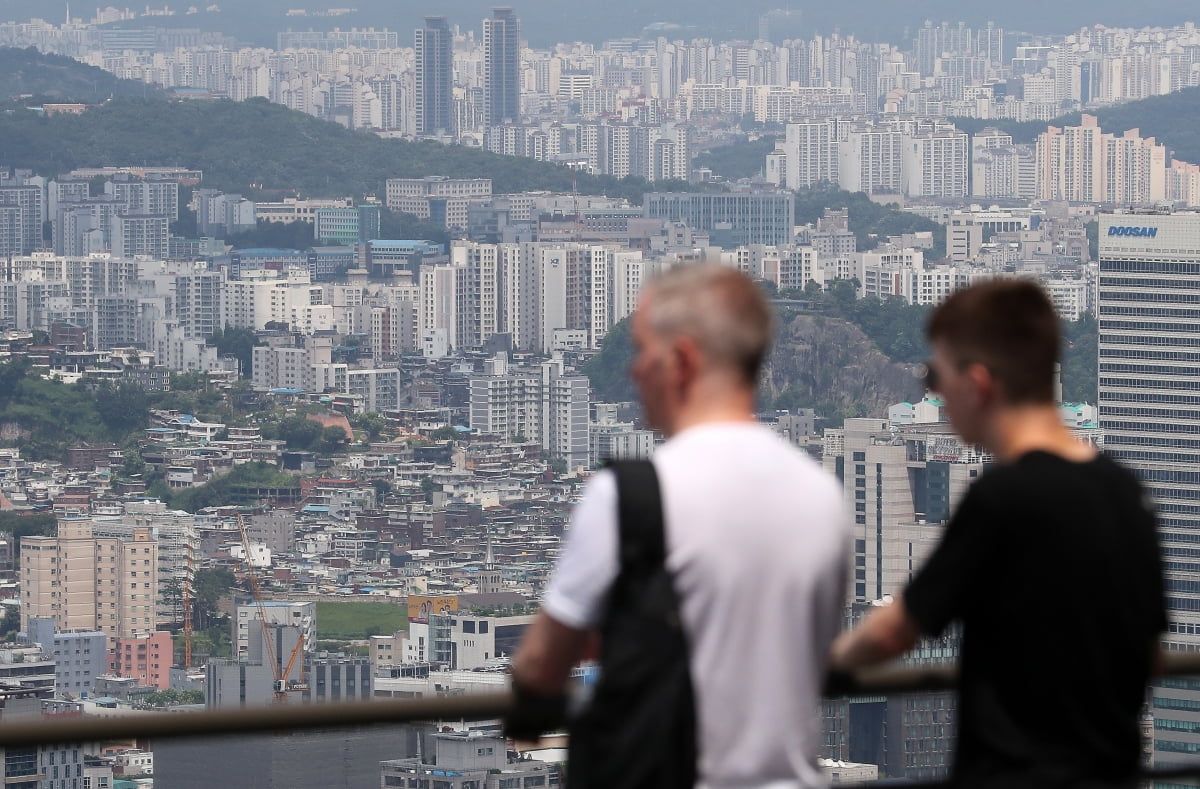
{"x":756,"y":541}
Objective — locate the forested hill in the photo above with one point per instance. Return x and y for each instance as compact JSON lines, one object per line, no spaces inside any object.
{"x":1171,"y":119}
{"x":27,"y":72}
{"x":258,"y":145}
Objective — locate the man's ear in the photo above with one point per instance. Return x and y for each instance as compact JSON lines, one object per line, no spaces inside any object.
{"x":987,"y":387}
{"x":688,"y":358}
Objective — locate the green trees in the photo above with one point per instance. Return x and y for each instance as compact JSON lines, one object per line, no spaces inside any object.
{"x":58,"y":78}
{"x":608,"y":370}
{"x":236,"y":342}
{"x":172,"y":698}
{"x":11,"y":623}
{"x":333,"y":439}
{"x":395,"y":225}
{"x":123,"y":407}
{"x":51,"y":415}
{"x":41,"y":525}
{"x":209,"y":587}
{"x":370,"y":423}
{"x":1171,"y":119}
{"x":1080,"y":355}
{"x":743,"y":159}
{"x":870,"y":222}
{"x":283,"y":235}
{"x":299,"y":432}
{"x":224,"y":489}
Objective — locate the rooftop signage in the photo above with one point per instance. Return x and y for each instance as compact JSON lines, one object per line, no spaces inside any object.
{"x":1126,"y":230}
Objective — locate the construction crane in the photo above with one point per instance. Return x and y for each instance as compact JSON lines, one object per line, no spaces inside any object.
{"x":282,"y":687}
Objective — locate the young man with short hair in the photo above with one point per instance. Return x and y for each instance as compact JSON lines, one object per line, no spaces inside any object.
{"x":1050,"y":564}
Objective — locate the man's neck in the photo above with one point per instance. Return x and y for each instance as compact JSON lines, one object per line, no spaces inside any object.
{"x":712,"y":402}
{"x":1016,"y":430}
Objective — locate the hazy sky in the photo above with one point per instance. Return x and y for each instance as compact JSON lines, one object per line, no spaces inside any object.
{"x":548,"y":21}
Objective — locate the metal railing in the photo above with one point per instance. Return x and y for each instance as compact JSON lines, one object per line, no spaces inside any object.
{"x":884,"y":680}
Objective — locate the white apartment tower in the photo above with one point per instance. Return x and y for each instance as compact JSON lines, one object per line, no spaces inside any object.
{"x":936,"y":163}
{"x":542,"y":404}
{"x":812,"y":153}
{"x":869,"y":160}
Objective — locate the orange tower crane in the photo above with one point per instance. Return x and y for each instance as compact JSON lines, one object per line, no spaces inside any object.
{"x":281,"y":686}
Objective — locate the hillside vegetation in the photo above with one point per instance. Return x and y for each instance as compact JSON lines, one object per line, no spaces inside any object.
{"x":255,"y":145}
{"x":27,"y":72}
{"x":743,"y":159}
{"x":43,"y":417}
{"x":870,"y":222}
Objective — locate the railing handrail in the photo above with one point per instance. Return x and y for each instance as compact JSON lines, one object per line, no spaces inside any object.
{"x":24,"y":731}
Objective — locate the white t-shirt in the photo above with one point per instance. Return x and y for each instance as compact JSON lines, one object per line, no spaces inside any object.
{"x":758,"y":543}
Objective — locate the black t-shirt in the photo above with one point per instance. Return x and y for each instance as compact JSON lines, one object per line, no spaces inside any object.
{"x":1053,"y":569}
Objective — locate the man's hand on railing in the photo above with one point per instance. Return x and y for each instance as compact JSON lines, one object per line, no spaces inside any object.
{"x":533,"y":715}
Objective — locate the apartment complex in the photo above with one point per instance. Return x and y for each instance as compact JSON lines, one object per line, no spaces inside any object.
{"x":906,"y":155}
{"x":85,"y":582}
{"x":540,"y":404}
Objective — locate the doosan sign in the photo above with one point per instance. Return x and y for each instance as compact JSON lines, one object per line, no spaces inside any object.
{"x":1141,"y":232}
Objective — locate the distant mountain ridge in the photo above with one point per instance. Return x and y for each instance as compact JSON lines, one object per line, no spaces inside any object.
{"x":29,"y":72}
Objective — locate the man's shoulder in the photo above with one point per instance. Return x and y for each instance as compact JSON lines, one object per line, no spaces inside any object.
{"x":1043,"y":474}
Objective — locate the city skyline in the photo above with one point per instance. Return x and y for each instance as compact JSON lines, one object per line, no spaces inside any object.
{"x":389,"y":390}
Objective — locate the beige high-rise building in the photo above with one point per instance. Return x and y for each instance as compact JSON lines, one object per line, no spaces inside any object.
{"x":84,"y":582}
{"x":1084,"y":164}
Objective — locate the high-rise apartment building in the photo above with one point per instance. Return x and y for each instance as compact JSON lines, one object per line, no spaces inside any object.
{"x":86,"y":582}
{"x":145,"y":197}
{"x":935,"y":163}
{"x":1149,"y":402}
{"x":131,"y":235}
{"x":1084,"y":164}
{"x":811,"y":152}
{"x":501,"y":67}
{"x":174,"y":533}
{"x":542,"y":404}
{"x":869,"y":160}
{"x":434,"y":76}
{"x":21,"y":221}
{"x":901,"y":481}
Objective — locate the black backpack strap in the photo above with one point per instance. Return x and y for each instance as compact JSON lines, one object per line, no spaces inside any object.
{"x":639,"y":513}
{"x":640,"y":730}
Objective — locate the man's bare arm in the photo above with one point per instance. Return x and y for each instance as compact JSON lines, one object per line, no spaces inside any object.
{"x":548,"y":652}
{"x":883,"y":634}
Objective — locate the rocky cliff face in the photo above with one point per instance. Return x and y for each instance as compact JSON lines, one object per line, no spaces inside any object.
{"x":830,"y":365}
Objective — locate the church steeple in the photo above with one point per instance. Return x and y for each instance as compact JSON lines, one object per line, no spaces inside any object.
{"x":489,"y":559}
{"x":491,"y":580}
